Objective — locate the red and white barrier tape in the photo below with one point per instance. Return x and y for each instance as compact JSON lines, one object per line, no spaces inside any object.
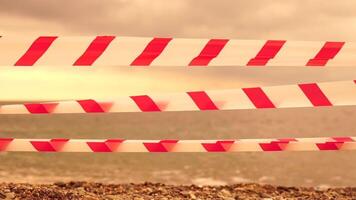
{"x":339,"y":93}
{"x":136,"y":51}
{"x":119,"y":145}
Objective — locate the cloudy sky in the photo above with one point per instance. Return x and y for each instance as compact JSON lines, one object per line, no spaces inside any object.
{"x":292,"y":19}
{"x":242,"y":19}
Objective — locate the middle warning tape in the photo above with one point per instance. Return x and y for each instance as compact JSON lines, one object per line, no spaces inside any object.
{"x":339,"y":93}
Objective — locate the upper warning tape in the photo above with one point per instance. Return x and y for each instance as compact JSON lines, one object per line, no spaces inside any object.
{"x":139,"y":51}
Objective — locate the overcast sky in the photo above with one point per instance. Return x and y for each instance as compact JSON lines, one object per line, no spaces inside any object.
{"x":240,"y":19}
{"x":272,"y":19}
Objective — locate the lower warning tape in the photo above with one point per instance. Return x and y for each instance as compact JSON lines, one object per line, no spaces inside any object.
{"x":235,"y":145}
{"x":325,"y":94}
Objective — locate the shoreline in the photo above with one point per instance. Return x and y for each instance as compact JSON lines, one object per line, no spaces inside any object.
{"x":91,"y":190}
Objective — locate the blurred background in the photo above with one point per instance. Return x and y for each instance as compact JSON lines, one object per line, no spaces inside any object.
{"x":253,"y":19}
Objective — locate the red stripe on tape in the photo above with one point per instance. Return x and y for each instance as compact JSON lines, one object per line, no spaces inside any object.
{"x":58,"y":143}
{"x":94,"y":51}
{"x":168,"y":144}
{"x":98,"y":147}
{"x":314,"y":94}
{"x":219,"y":146}
{"x":270,"y":147}
{"x":113,"y":144}
{"x":40,"y":108}
{"x":151,"y":52}
{"x":267,"y":52}
{"x":258,"y":97}
{"x":91,"y":106}
{"x":202,"y":100}
{"x":161,"y":146}
{"x":145,"y":103}
{"x":327,"y":52}
{"x":43,"y":146}
{"x":209,"y":52}
{"x":4,"y":142}
{"x":154,"y":147}
{"x":329,"y":146}
{"x":274,"y":145}
{"x":36,"y":50}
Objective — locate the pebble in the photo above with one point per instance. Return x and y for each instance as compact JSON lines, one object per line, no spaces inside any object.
{"x":10,"y":195}
{"x":2,"y":196}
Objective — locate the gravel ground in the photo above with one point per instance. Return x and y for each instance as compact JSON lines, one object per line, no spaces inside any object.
{"x":91,"y":191}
